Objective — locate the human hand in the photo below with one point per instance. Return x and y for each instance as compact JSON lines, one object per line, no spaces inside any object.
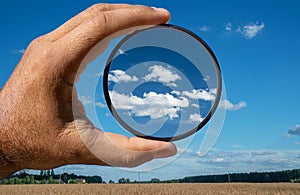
{"x":43,"y":125}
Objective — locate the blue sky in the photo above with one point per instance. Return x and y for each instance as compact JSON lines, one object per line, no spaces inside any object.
{"x":257,"y":45}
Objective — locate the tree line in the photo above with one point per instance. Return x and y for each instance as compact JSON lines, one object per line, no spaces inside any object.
{"x":252,"y":177}
{"x":49,"y":177}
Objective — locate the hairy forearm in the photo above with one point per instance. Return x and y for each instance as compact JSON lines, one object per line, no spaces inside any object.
{"x":7,"y":165}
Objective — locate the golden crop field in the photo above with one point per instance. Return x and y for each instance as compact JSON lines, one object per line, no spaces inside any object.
{"x":155,"y":189}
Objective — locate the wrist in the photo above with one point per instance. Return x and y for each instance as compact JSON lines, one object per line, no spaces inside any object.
{"x":6,"y":166}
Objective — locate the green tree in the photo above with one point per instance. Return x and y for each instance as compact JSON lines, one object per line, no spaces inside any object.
{"x":266,"y":177}
{"x":31,"y":179}
{"x":43,"y":181}
{"x":155,"y":180}
{"x":27,"y":179}
{"x":94,"y":179}
{"x":111,"y":181}
{"x":73,"y":176}
{"x":64,"y":178}
{"x":55,"y":181}
{"x":48,"y":174}
{"x":50,"y":180}
{"x":4,"y":181}
{"x":52,"y":173}
{"x":11,"y":181}
{"x":122,"y":180}
{"x":72,"y":181}
{"x":17,"y":180}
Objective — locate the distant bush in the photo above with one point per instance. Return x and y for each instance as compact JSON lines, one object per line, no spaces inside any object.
{"x":295,"y":180}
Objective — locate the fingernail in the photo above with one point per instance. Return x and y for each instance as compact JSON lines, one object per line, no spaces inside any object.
{"x":165,"y":151}
{"x":160,"y":9}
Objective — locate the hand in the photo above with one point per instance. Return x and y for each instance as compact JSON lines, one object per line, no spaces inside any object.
{"x":43,"y":124}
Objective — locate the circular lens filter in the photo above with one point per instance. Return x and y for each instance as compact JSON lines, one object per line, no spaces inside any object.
{"x":162,"y":83}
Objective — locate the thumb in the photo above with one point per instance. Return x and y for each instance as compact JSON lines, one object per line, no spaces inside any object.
{"x":159,"y":149}
{"x":120,"y":151}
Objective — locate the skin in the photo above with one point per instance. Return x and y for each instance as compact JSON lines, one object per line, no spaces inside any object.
{"x":43,"y":124}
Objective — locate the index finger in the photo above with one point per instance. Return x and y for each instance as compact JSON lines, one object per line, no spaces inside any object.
{"x":77,"y":43}
{"x":81,"y":17}
{"x":82,"y":38}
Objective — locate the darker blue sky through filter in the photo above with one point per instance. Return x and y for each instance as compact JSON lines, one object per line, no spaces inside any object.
{"x":257,"y":45}
{"x":149,"y":53}
{"x":129,"y":61}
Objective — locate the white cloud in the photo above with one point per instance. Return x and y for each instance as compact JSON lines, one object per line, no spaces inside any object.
{"x":176,"y":92}
{"x":206,"y":78}
{"x":21,"y":51}
{"x":225,"y":104}
{"x":295,"y":130}
{"x":204,"y":28}
{"x":151,"y":104}
{"x":228,"y":27}
{"x":195,"y":105}
{"x":98,"y":74}
{"x":251,"y":30}
{"x":172,"y":84}
{"x":196,"y":118}
{"x":85,"y":100}
{"x":262,"y":152}
{"x":18,"y":51}
{"x":237,"y":146}
{"x":162,"y":74}
{"x":121,"y":51}
{"x":217,"y":160}
{"x":200,"y":94}
{"x":288,"y":135}
{"x":240,"y":160}
{"x":120,"y":76}
{"x":100,"y":105}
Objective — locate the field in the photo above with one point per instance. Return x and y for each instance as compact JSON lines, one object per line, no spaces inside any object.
{"x":155,"y":189}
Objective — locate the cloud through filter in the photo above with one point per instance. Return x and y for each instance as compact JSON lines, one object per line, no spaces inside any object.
{"x":162,"y":103}
{"x":151,"y":104}
{"x":207,"y":95}
{"x":161,"y":74}
{"x":196,"y":118}
{"x":120,"y":76}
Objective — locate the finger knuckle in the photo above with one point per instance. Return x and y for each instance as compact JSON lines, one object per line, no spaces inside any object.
{"x":46,"y":52}
{"x":143,"y":9}
{"x":99,"y":7}
{"x":40,"y":47}
{"x":104,"y":18}
{"x":100,"y":22}
{"x":36,"y":42}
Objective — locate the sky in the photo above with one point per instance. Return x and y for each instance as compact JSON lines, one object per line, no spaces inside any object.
{"x":257,"y":46}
